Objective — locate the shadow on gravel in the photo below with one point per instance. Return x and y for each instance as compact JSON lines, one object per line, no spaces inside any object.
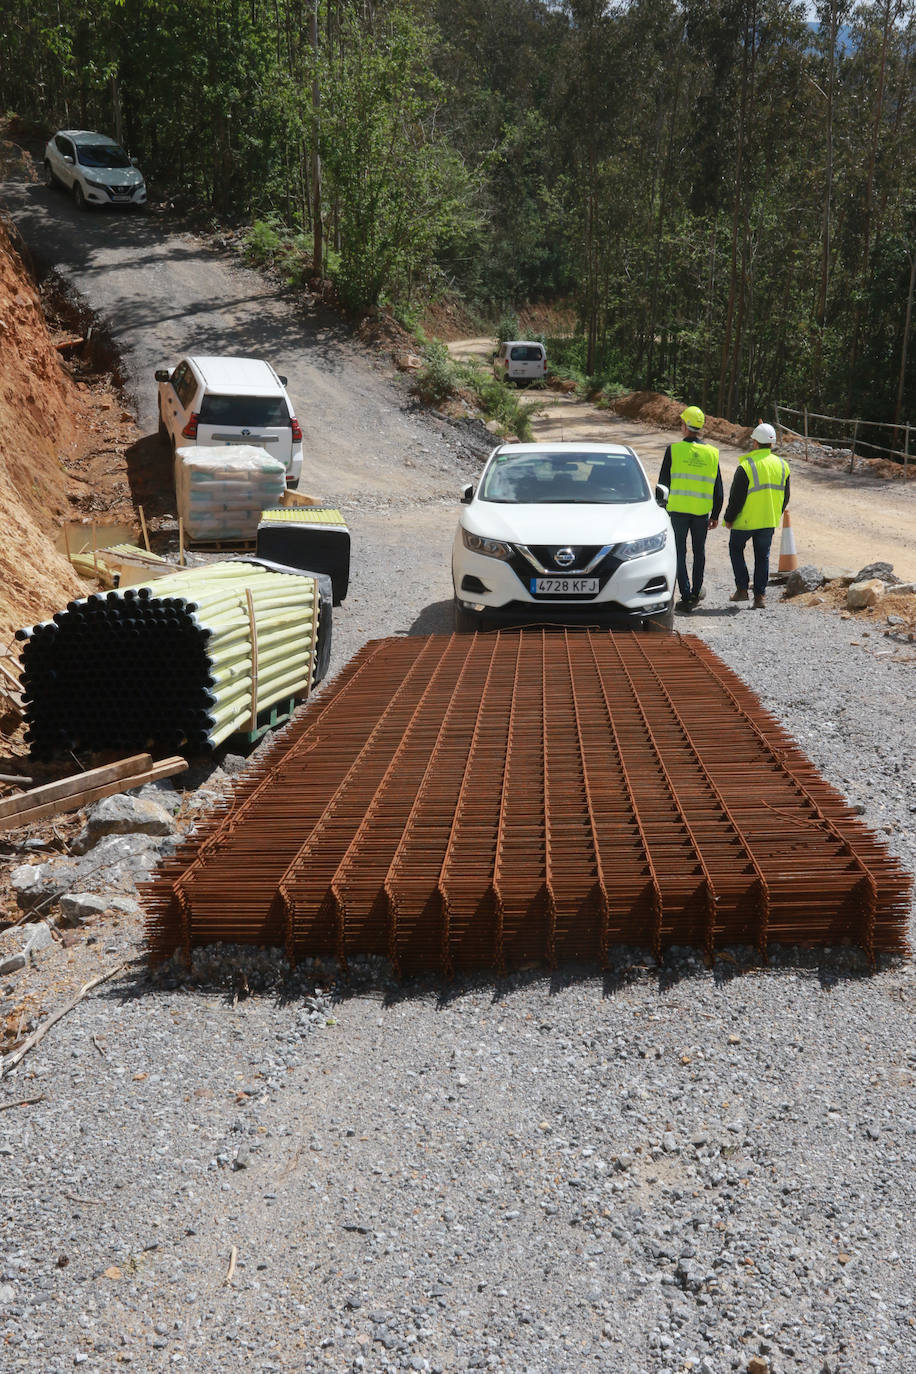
{"x":237,"y":973}
{"x":149,"y":475}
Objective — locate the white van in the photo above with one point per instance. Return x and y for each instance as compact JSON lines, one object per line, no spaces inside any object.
{"x":520,"y":360}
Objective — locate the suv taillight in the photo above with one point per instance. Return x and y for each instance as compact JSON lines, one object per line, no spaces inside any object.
{"x":297,"y":430}
{"x":190,"y":429}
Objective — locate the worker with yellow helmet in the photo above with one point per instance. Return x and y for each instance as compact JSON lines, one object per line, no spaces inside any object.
{"x":690,"y":471}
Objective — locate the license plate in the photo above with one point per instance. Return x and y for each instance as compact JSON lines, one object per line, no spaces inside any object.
{"x":563,"y":586}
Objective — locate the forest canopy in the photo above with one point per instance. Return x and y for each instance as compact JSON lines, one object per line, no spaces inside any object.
{"x":723,"y":188}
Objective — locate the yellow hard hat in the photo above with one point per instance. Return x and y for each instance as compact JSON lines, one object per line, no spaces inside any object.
{"x":693,"y":417}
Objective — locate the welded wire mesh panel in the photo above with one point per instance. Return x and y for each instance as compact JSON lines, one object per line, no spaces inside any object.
{"x":530,"y":796}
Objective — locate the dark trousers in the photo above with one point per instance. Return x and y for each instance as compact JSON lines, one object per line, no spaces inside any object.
{"x":762,"y":541}
{"x":697,"y":526}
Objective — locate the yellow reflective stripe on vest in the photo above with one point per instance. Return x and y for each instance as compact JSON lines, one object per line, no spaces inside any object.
{"x":766,"y":488}
{"x":693,"y":486}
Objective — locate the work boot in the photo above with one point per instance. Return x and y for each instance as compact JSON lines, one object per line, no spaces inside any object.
{"x":760,"y":603}
{"x":698,"y":597}
{"x":684,"y":607}
{"x":740,"y":594}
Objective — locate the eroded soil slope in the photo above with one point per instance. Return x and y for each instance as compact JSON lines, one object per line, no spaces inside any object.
{"x":41,"y":413}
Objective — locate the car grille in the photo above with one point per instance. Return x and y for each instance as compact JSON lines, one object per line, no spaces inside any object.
{"x":545,"y":555}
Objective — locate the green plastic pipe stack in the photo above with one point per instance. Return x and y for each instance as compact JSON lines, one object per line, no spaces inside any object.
{"x":171,"y":663}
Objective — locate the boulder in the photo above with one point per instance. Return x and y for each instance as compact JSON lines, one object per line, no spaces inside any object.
{"x":884,"y":571}
{"x":805,"y":579}
{"x":77,"y":907}
{"x":115,"y":865}
{"x":37,"y":937}
{"x":842,"y":575}
{"x":862,"y":594}
{"x":123,"y":815}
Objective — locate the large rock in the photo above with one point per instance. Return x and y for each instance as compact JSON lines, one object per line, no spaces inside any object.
{"x":123,"y":815}
{"x":77,"y":907}
{"x":806,"y":579}
{"x":862,"y":594}
{"x":113,"y":867}
{"x":884,"y":571}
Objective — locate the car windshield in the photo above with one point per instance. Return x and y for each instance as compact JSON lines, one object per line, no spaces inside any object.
{"x":602,"y":479}
{"x":101,"y":155}
{"x":244,"y":412}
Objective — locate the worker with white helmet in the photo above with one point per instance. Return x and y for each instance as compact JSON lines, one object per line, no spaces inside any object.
{"x":759,"y":495}
{"x":690,"y":471}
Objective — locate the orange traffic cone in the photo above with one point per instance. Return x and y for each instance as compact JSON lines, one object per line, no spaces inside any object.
{"x":788,"y":557}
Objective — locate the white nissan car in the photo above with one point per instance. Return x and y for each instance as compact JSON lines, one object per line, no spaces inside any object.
{"x":564,"y":531}
{"x":94,"y":169}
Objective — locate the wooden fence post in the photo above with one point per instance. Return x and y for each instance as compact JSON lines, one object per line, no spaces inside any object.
{"x":806,"y":434}
{"x":906,"y":453}
{"x":852,"y":456}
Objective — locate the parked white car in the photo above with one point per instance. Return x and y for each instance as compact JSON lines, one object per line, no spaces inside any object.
{"x":563,"y":531}
{"x":520,"y":361}
{"x":94,"y":169}
{"x":229,"y":401}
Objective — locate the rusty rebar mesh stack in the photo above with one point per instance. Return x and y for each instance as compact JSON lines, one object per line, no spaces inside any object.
{"x":459,"y":802}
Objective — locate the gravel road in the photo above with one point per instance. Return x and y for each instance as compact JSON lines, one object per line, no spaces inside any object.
{"x":660,"y":1169}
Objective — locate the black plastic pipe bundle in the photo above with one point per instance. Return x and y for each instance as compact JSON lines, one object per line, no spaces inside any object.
{"x":174,"y":666}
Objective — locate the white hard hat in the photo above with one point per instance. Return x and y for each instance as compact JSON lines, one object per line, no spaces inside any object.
{"x":764,"y":434}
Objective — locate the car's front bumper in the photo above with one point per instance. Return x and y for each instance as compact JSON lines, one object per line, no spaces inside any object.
{"x":636,"y":588}
{"x":98,"y":195}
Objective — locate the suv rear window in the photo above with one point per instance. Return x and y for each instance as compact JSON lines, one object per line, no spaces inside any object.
{"x":527,"y":353}
{"x":244,"y":412}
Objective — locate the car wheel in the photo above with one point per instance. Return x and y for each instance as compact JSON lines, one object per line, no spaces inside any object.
{"x":79,"y":198}
{"x":50,"y":179}
{"x":464,"y":622}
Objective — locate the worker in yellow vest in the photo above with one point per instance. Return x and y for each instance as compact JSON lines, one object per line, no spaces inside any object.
{"x":690,"y":471}
{"x":759,"y":495}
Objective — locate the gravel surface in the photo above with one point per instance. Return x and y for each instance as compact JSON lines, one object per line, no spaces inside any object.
{"x":673,"y":1168}
{"x":658,"y":1169}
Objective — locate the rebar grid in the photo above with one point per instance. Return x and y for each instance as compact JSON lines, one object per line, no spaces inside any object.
{"x":533,"y":796}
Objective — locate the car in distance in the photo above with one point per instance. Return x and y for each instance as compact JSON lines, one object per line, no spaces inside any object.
{"x":94,"y":169}
{"x":568,"y":531}
{"x":216,"y":401}
{"x":520,"y":361}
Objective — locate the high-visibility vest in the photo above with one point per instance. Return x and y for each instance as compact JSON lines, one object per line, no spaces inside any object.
{"x":693,"y":477}
{"x":767,"y":476}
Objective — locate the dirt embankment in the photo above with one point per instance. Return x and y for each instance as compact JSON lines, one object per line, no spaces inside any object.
{"x":40,"y":422}
{"x":55,"y":431}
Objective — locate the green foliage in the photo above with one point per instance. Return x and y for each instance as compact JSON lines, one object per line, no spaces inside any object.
{"x":507,"y":327}
{"x":438,"y":378}
{"x":724,"y":191}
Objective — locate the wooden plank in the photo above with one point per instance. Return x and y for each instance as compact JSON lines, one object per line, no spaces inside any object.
{"x":166,"y":769}
{"x":77,"y":782}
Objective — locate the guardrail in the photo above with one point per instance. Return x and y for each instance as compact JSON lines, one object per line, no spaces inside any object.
{"x":855,"y":425}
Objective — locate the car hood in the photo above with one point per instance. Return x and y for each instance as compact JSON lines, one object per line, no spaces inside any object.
{"x":573,"y":524}
{"x":113,"y":176}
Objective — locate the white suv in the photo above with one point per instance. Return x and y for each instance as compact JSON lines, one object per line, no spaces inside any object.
{"x":230,"y":401}
{"x":94,"y":169}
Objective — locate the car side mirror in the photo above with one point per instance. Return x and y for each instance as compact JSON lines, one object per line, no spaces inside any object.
{"x":467,"y":494}
{"x":284,"y":381}
{"x":162,"y":374}
{"x":68,"y":158}
{"x":661,"y":494}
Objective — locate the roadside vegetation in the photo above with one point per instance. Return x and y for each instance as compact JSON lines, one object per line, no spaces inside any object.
{"x":441,"y":378}
{"x":722,"y":188}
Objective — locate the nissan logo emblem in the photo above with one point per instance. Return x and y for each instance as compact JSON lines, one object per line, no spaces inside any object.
{"x":564,"y":558}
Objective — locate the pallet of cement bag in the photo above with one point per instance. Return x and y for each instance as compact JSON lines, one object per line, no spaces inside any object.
{"x":222,"y":489}
{"x":314,"y":538}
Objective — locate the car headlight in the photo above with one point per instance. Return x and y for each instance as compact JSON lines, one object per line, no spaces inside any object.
{"x":99,"y":185}
{"x":492,"y":548}
{"x":638,"y":548}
